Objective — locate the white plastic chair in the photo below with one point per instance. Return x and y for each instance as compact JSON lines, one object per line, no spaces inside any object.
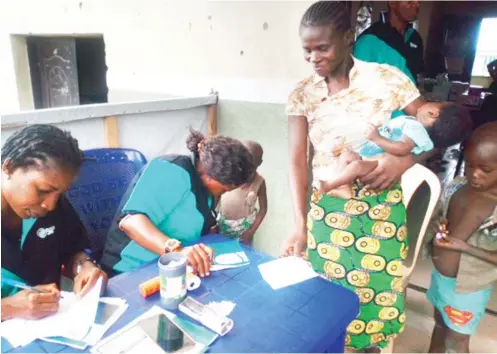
{"x":419,"y":210}
{"x":420,"y":200}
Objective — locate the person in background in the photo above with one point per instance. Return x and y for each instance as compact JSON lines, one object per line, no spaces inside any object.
{"x":41,"y":232}
{"x":172,"y":201}
{"x":462,"y":282}
{"x":492,"y":70}
{"x":238,"y":214}
{"x":393,"y":41}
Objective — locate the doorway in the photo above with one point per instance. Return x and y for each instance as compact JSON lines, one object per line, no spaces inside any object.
{"x":67,"y":71}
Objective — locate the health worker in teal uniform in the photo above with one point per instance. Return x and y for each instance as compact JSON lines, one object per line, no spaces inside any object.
{"x":172,"y":202}
{"x":393,"y":41}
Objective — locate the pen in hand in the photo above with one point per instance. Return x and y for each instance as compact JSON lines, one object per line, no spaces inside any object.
{"x":21,"y":285}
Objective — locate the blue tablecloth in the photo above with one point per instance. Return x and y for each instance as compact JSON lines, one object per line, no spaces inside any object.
{"x":307,"y":317}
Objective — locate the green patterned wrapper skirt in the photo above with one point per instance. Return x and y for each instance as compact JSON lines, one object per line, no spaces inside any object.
{"x":360,"y":244}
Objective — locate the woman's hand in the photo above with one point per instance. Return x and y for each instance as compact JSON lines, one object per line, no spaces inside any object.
{"x":87,"y":277}
{"x":30,"y":304}
{"x":200,"y":258}
{"x":389,"y":171}
{"x":295,"y":245}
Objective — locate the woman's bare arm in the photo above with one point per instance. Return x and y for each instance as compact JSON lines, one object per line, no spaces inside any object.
{"x":140,"y":229}
{"x":299,"y":179}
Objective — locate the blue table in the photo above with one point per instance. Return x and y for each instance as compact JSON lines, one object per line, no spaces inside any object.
{"x":308,"y":317}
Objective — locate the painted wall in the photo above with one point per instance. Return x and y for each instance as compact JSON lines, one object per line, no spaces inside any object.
{"x":248,"y":51}
{"x":153,"y":132}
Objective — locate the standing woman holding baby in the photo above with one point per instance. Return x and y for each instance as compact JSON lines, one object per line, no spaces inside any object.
{"x":360,"y":242}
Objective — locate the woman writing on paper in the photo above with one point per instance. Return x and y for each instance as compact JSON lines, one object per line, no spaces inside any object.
{"x":41,"y":232}
{"x":172,"y":201}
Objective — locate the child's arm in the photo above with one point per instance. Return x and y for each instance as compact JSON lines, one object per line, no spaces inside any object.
{"x":354,"y":170}
{"x":398,"y":148}
{"x":456,"y":244}
{"x":463,"y":222}
{"x":487,"y":256}
{"x":262,"y":198}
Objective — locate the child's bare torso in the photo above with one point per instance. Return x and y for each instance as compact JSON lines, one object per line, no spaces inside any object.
{"x":468,"y":210}
{"x":241,"y":202}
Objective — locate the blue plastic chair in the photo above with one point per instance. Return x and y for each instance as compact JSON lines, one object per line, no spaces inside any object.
{"x":99,"y":188}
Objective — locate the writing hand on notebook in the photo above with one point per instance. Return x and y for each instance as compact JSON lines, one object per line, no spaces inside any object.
{"x":200,"y":258}
{"x":87,"y":277}
{"x":31,"y":304}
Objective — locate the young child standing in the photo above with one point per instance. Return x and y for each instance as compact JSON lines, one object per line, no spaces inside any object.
{"x":239,"y":216}
{"x":462,"y":282}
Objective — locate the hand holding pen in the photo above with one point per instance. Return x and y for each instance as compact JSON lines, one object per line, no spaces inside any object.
{"x":31,"y":302}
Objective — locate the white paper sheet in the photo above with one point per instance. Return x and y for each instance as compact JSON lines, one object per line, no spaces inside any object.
{"x":286,"y":271}
{"x":73,"y":320}
{"x":100,"y":326}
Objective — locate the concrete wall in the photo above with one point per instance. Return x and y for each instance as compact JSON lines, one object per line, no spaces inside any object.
{"x":249,"y":51}
{"x":246,"y":50}
{"x":154,"y":128}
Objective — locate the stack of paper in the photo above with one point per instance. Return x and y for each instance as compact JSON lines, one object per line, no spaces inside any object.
{"x":73,"y":320}
{"x":77,"y":323}
{"x":286,"y":271}
{"x":108,"y":312}
{"x":228,"y":254}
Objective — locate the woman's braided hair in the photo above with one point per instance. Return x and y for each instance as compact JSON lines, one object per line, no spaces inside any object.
{"x":224,"y":159}
{"x":328,"y":13}
{"x":40,"y":144}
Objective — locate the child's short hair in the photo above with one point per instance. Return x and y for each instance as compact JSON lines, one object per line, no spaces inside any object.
{"x":452,"y":126}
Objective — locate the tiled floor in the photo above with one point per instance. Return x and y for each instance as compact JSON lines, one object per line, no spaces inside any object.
{"x":419,"y":324}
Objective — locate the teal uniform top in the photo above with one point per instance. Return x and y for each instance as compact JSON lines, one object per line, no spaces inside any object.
{"x":383,"y":44}
{"x":170,"y":193}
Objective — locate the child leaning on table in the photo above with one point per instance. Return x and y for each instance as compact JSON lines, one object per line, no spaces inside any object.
{"x":465,"y":252}
{"x":238,"y":214}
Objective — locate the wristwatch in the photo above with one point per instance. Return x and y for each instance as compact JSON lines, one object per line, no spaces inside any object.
{"x":83,"y":261}
{"x":171,"y":245}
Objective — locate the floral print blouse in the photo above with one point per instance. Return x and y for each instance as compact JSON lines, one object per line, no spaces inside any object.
{"x":337,"y":122}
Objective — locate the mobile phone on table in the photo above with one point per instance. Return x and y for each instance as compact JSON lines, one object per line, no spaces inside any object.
{"x":166,"y":334}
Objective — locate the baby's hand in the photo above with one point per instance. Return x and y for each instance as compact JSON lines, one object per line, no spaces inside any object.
{"x":371,"y":132}
{"x":321,"y":187}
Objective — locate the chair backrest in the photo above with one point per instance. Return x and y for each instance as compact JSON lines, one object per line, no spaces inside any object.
{"x":99,"y":188}
{"x":421,"y":189}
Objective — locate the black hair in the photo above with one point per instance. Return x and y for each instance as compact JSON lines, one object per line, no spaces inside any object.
{"x":328,"y":13}
{"x":39,"y":144}
{"x":224,"y":159}
{"x":452,"y":126}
